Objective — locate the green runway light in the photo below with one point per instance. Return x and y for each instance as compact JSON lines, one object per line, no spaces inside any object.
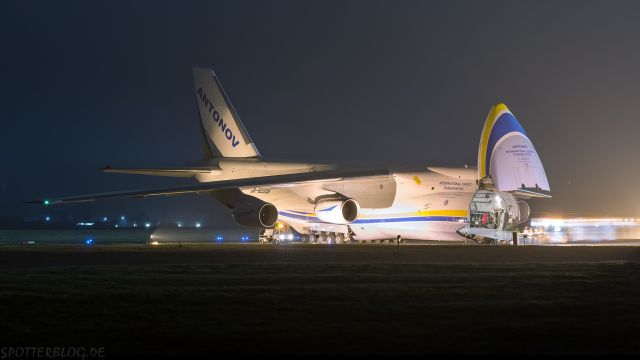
{"x":46,"y":202}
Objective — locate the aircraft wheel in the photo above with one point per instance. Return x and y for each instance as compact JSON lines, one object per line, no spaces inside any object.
{"x":348,"y":239}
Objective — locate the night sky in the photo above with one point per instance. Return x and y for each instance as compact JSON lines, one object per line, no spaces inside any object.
{"x":88,"y":84}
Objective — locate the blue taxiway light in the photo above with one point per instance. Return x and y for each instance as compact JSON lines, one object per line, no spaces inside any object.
{"x":88,"y":242}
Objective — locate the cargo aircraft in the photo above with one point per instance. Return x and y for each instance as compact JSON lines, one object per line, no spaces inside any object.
{"x":332,"y":202}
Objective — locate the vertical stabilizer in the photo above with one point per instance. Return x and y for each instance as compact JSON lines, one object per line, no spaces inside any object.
{"x":224,"y":133}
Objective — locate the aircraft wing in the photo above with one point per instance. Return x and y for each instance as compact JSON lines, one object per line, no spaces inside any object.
{"x":173,"y":172}
{"x":286,"y":180}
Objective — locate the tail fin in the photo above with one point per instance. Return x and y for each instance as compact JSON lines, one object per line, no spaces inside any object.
{"x":507,"y":155}
{"x":224,"y":134}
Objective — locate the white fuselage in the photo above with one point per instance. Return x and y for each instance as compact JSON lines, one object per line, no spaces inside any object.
{"x":420,"y":203}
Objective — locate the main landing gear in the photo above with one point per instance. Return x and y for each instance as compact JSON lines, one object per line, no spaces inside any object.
{"x":324,"y":237}
{"x":282,"y":234}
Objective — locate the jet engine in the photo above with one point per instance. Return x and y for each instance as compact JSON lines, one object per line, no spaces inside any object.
{"x":262,"y":215}
{"x":340,"y":211}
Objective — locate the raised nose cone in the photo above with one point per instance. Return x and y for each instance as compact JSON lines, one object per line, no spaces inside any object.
{"x":499,"y":122}
{"x":499,"y":108}
{"x":507,"y":155}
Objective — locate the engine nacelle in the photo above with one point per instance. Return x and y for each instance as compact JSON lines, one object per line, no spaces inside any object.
{"x":337,"y":211}
{"x":264,"y":215}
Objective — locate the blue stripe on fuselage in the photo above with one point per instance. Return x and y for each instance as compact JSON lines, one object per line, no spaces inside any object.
{"x":383,"y":220}
{"x":411,"y":219}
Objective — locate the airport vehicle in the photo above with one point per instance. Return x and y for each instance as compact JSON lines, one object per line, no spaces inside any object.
{"x":279,"y":234}
{"x":327,"y":202}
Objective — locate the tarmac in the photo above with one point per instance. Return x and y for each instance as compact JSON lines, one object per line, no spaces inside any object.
{"x":233,"y":299}
{"x":19,"y":257}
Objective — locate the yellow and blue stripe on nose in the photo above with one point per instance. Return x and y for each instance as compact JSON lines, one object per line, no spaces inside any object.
{"x":499,"y":123}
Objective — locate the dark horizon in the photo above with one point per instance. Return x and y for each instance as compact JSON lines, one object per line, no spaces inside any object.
{"x":92,"y":84}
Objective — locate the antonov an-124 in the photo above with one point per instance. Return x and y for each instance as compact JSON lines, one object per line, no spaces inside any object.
{"x":336,"y":203}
